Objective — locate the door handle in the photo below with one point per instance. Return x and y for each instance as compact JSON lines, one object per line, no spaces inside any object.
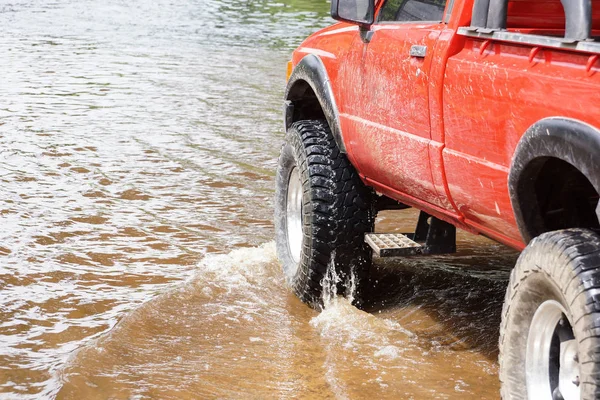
{"x":418,"y":51}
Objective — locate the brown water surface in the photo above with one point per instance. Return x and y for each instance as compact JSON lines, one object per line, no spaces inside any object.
{"x":138,"y":142}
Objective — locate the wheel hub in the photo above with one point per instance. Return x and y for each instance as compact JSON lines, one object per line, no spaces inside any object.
{"x":551,"y":358}
{"x":294,"y":216}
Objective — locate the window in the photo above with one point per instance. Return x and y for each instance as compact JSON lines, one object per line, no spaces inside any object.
{"x":412,"y":10}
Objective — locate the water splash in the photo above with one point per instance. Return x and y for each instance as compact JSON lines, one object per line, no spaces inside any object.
{"x":334,"y":280}
{"x":234,"y":330}
{"x":330,"y":282}
{"x":352,"y":286}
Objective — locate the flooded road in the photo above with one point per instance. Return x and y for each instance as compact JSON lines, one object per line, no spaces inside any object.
{"x":138,"y":144}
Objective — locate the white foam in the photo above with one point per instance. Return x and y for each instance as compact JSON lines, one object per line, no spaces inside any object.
{"x":389,"y":352}
{"x":341,"y":317}
{"x":246,"y":261}
{"x":241,"y":270}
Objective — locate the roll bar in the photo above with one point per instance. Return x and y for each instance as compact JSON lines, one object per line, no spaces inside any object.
{"x":490,"y":15}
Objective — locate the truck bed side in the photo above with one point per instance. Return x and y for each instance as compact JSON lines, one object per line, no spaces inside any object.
{"x":493,"y":91}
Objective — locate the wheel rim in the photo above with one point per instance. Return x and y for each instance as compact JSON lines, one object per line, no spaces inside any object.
{"x":294,"y":217}
{"x":551,"y":358}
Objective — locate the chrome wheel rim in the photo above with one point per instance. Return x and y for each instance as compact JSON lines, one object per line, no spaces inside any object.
{"x":294,"y":217}
{"x":551,"y":359}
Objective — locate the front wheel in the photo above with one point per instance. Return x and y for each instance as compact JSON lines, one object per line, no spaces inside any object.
{"x":550,"y":331}
{"x":322,"y":212}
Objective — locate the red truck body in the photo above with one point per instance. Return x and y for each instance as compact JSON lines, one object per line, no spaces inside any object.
{"x":487,"y":119}
{"x":440,"y":132}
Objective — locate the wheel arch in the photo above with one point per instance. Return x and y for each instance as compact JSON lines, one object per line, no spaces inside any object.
{"x":309,"y":95}
{"x":562,"y":140}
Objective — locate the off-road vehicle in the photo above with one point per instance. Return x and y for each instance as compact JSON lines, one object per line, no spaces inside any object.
{"x":482,"y":114}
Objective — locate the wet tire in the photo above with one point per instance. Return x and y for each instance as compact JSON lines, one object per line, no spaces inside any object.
{"x":335,"y":213}
{"x":550,"y":330}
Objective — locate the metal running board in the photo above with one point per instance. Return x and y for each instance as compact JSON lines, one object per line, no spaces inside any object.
{"x":432,"y":236}
{"x":393,"y":245}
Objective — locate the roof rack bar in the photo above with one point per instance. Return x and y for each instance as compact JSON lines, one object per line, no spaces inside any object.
{"x":480,"y":13}
{"x":491,"y":15}
{"x":497,"y":14}
{"x":578,"y":14}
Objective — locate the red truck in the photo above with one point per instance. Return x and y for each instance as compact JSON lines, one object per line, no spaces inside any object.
{"x":482,"y":114}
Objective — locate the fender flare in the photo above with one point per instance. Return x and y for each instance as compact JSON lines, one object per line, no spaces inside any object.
{"x":569,"y":140}
{"x":312,"y":71}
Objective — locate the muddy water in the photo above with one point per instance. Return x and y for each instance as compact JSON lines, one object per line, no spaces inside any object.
{"x":138,"y":142}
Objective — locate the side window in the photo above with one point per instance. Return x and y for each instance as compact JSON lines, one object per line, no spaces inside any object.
{"x":412,"y":10}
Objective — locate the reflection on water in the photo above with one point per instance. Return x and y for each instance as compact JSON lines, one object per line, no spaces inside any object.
{"x":138,"y":142}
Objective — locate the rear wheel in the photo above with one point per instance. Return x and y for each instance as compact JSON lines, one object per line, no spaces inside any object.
{"x":322,"y":212}
{"x":550,"y":331}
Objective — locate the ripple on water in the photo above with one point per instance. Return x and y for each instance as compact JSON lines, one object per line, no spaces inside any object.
{"x":129,"y":149}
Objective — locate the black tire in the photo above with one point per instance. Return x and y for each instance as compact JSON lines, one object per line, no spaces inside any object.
{"x":337,"y":211}
{"x":561,"y":268}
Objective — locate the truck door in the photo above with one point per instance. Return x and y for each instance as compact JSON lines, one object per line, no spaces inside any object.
{"x":391,"y":121}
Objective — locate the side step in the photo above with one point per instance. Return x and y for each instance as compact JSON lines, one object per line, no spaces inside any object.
{"x":392,"y":245}
{"x":432,"y":236}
